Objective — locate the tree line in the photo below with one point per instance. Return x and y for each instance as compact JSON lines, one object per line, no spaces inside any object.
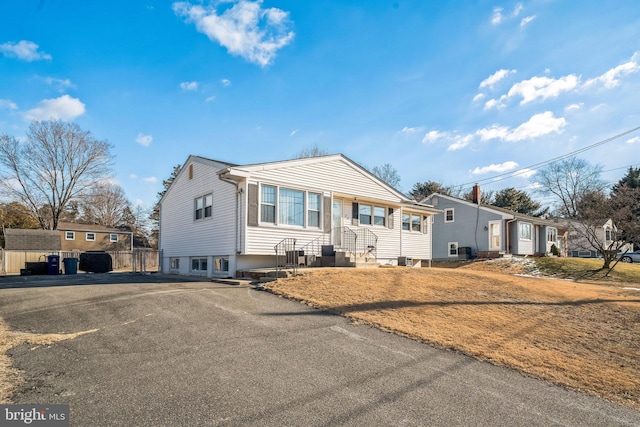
{"x":62,"y":173}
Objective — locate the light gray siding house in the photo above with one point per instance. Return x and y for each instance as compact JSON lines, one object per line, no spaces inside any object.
{"x":218,"y":219}
{"x":465,"y":229}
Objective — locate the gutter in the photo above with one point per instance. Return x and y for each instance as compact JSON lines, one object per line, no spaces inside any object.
{"x":238,"y":194}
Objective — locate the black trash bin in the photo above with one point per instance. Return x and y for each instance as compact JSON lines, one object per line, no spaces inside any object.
{"x":70,"y":265}
{"x":53,"y":264}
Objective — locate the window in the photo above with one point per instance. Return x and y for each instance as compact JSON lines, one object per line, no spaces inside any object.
{"x":268,"y":204}
{"x":221,"y":264}
{"x":379,"y":216}
{"x":525,"y":231}
{"x":448,"y":215}
{"x":552,"y":235}
{"x":415,"y":223}
{"x":365,"y":214}
{"x":203,"y":207}
{"x":91,"y":237}
{"x":198,"y":264}
{"x":113,"y":237}
{"x":453,"y":248}
{"x":175,"y":263}
{"x":313,"y":210}
{"x":70,"y":235}
{"x":291,"y":207}
{"x":406,"y":222}
{"x":607,"y":235}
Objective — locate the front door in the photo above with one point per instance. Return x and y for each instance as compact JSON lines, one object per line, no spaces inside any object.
{"x":337,"y":223}
{"x":495,"y":235}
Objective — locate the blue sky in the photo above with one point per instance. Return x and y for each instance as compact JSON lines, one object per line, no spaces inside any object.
{"x":450,"y":91}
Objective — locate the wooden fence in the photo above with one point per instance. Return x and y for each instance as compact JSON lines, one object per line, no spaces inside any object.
{"x":138,"y":260}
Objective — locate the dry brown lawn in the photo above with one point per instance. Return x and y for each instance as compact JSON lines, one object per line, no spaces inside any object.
{"x":582,"y":336}
{"x":10,"y":377}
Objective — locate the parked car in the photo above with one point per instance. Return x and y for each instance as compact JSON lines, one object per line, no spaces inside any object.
{"x":630,"y":256}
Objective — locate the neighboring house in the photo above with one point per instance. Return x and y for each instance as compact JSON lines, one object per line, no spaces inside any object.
{"x":217,"y":218}
{"x":31,"y":240}
{"x":465,"y":229}
{"x":91,"y":237}
{"x":602,"y":234}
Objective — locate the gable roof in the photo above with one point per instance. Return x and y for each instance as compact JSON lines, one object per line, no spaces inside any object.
{"x":505,"y":213}
{"x":230,"y":170}
{"x":31,"y":240}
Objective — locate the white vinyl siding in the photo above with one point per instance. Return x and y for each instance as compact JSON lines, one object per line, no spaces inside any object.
{"x":180,"y":235}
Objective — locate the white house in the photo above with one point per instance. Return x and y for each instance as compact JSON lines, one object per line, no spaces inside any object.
{"x":219,"y":219}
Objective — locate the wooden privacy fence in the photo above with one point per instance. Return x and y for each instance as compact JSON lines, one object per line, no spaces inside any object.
{"x":138,"y":260}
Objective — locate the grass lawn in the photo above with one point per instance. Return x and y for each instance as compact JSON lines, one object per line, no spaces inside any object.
{"x":585,"y":336}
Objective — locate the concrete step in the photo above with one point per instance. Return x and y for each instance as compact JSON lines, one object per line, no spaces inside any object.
{"x":234,"y":282}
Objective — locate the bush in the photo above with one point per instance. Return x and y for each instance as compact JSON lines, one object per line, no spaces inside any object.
{"x":554,"y":250}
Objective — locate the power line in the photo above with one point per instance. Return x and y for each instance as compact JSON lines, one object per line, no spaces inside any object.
{"x":527,"y":169}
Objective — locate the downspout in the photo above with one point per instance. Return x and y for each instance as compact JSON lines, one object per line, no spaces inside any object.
{"x":508,"y":241}
{"x":238,"y":194}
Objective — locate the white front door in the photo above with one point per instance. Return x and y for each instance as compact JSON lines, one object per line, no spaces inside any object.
{"x":495,"y":235}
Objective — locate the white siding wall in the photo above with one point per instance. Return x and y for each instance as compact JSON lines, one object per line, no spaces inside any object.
{"x":181,"y":235}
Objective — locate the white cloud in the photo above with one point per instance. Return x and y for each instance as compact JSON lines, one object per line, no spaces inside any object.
{"x":493,"y":132}
{"x":496,"y":18}
{"x":478,"y":97}
{"x":525,"y":173}
{"x":189,"y":86}
{"x":543,"y":87}
{"x":8,"y":104}
{"x":410,"y":131}
{"x":293,"y":132}
{"x":210,"y":98}
{"x":434,"y":135}
{"x":496,"y":103}
{"x":538,"y":125}
{"x":60,"y":84}
{"x":573,"y":107}
{"x":496,"y":77}
{"x":245,"y":29}
{"x":633,"y":140}
{"x":133,"y":176}
{"x":460,"y":141}
{"x":526,"y":20}
{"x":63,"y":108}
{"x":612,"y":77}
{"x":144,"y":140}
{"x":518,"y":9}
{"x":24,"y":50}
{"x":225,"y":82}
{"x":150,"y":179}
{"x":499,"y":168}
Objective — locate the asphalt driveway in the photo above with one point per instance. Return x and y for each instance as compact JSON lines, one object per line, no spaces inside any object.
{"x":174,"y":352}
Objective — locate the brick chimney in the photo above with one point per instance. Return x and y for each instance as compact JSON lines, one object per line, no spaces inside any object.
{"x":475,"y":194}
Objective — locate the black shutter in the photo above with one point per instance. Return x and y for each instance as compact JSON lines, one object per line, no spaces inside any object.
{"x":390,"y":218}
{"x":252,"y":200}
{"x":355,"y":213}
{"x":327,"y":214}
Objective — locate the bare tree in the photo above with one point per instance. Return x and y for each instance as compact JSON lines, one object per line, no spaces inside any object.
{"x":105,"y":205}
{"x":569,"y":180}
{"x":312,"y":151}
{"x":388,"y":174}
{"x":56,"y":163}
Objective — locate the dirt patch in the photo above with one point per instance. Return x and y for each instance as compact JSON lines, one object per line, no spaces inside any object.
{"x":582,"y":336}
{"x":10,"y":377}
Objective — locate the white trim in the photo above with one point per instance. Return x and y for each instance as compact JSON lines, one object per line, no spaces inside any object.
{"x":67,"y":233}
{"x":86,"y":236}
{"x":449,"y":244}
